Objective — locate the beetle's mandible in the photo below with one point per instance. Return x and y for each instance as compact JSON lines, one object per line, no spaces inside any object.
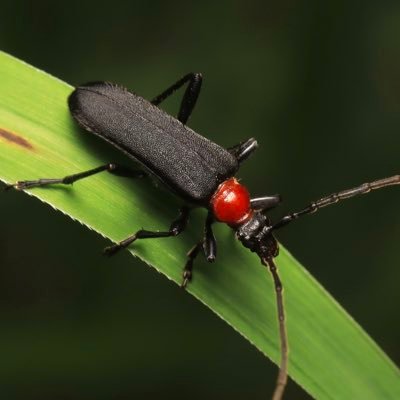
{"x":196,"y":169}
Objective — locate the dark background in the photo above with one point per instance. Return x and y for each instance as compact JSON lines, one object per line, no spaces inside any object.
{"x":317,"y":83}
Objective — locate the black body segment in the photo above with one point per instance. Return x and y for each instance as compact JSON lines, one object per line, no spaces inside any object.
{"x":191,"y":165}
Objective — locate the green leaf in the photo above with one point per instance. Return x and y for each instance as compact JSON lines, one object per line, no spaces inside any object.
{"x":331,"y":357}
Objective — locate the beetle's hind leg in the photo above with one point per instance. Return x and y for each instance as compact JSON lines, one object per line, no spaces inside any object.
{"x":112,"y":168}
{"x":209,"y":247}
{"x":177,"y":227}
{"x":189,"y":98}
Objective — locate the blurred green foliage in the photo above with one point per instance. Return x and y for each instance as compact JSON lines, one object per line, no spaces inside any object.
{"x":316,"y":82}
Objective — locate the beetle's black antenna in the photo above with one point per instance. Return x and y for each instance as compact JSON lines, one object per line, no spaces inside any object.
{"x":282,"y":376}
{"x":336,"y":197}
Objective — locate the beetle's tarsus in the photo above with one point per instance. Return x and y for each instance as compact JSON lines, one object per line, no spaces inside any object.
{"x":186,"y":278}
{"x":19,"y":185}
{"x":111,"y":250}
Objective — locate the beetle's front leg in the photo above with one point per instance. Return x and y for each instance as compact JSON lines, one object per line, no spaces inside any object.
{"x":265,"y":203}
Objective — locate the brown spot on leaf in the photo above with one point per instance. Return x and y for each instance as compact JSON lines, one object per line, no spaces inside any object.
{"x":14,"y":138}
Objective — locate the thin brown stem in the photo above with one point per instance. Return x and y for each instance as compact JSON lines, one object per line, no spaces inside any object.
{"x":282,"y":376}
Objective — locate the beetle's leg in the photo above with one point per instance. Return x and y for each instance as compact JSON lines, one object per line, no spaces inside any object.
{"x":265,"y":203}
{"x":189,"y":98}
{"x":244,"y":149}
{"x":187,"y":270}
{"x":209,"y":242}
{"x":177,"y":227}
{"x":209,"y":247}
{"x":112,"y":168}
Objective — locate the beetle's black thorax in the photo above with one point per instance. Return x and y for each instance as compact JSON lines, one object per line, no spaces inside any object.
{"x":256,"y":236}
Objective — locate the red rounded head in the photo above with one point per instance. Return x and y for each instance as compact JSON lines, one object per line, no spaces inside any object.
{"x":231,"y":203}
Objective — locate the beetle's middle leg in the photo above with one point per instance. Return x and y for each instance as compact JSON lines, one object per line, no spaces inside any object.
{"x":177,"y":227}
{"x":209,"y":247}
{"x":112,"y":168}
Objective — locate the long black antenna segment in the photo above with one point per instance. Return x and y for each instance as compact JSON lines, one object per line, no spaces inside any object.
{"x":336,"y":197}
{"x":282,"y":375}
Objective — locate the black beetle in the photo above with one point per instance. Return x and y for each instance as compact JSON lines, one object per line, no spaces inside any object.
{"x":196,"y":169}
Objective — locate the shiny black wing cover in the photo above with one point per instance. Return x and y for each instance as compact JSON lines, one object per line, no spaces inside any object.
{"x":187,"y":162}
